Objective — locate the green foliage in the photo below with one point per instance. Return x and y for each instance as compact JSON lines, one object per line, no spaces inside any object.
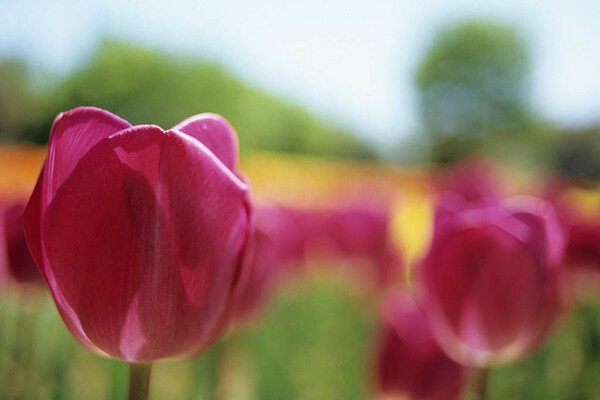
{"x":567,"y":367}
{"x":144,"y":86}
{"x":314,"y":342}
{"x":20,"y":108}
{"x":331,"y":335}
{"x":473,"y":86}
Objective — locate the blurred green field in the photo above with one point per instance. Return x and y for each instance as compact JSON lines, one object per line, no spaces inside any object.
{"x":313,"y":342}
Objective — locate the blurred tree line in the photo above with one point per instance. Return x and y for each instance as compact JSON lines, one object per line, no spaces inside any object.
{"x":148,"y":86}
{"x":474,"y":93}
{"x":474,"y":97}
{"x":473,"y":85}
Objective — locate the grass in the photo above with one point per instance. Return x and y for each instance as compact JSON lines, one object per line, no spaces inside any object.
{"x":312,"y":342}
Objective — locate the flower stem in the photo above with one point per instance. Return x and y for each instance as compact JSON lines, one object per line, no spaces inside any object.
{"x":481,"y":386}
{"x":139,"y":381}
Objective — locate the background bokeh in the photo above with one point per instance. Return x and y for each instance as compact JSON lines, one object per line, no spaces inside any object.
{"x":332,"y":103}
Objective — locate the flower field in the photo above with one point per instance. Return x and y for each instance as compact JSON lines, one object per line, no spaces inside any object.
{"x":315,"y":331}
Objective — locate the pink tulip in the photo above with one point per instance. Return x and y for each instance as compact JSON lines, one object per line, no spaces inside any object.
{"x":20,"y":266}
{"x":364,"y":232}
{"x":141,"y":233}
{"x":3,"y":253}
{"x":583,"y":246}
{"x":353,"y":233}
{"x":264,"y":265}
{"x":476,"y":180}
{"x":490,"y":283}
{"x":582,"y":252}
{"x":409,"y":364}
{"x":276,"y":249}
{"x":284,"y":232}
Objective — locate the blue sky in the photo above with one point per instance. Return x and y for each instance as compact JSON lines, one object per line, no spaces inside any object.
{"x":351,"y":61}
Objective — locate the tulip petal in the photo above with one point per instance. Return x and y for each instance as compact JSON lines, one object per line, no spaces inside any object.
{"x":32,"y":227}
{"x":486,"y":285}
{"x":546,"y":234}
{"x":73,"y":133}
{"x":214,"y":132}
{"x":489,"y":282}
{"x":21,"y":265}
{"x":32,"y":222}
{"x":409,"y":363}
{"x":145,"y":248}
{"x":3,"y":250}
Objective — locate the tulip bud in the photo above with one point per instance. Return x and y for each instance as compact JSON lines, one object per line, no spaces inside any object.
{"x":20,"y":266}
{"x":489,"y":283}
{"x":409,"y":364}
{"x":141,"y":233}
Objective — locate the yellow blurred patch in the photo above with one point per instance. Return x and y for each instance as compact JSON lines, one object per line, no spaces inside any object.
{"x":412,"y":226}
{"x":584,"y":201}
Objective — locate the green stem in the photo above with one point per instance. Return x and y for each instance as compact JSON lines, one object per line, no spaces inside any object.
{"x":217,"y":357}
{"x":481,"y":386}
{"x":139,"y":381}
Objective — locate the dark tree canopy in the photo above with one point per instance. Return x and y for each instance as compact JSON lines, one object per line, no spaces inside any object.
{"x":473,"y":84}
{"x":19,"y":106}
{"x":577,"y":154}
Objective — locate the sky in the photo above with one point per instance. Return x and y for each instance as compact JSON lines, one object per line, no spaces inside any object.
{"x":350,"y":61}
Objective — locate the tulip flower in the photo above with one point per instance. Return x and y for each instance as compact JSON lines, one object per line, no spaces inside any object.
{"x":409,"y":364}
{"x":20,"y":266}
{"x":583,"y":248}
{"x":276,"y":248}
{"x":265,"y":263}
{"x":580,"y":215}
{"x":490,"y":282}
{"x":3,"y":253}
{"x":141,"y":233}
{"x":353,"y":234}
{"x":476,"y":180}
{"x":582,"y":259}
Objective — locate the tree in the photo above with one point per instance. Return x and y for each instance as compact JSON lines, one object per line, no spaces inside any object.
{"x":144,"y":85}
{"x":19,"y":106}
{"x":473,"y":88}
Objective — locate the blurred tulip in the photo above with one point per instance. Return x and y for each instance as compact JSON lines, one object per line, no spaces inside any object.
{"x":579,"y":212}
{"x":476,"y":180}
{"x":3,"y":252}
{"x":353,"y":233}
{"x":277,"y":246}
{"x":365,"y":232}
{"x":583,"y":246}
{"x":263,"y":268}
{"x":20,"y":266}
{"x":141,"y":233}
{"x":409,"y":363}
{"x":284,"y":231}
{"x":490,"y":283}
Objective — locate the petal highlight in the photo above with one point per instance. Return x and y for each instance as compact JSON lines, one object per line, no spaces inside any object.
{"x":214,"y":132}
